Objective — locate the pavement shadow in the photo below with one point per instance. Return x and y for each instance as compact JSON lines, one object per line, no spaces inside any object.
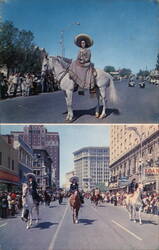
{"x":52,"y":206}
{"x":44,"y":225}
{"x":86,"y":222}
{"x":81,"y":112}
{"x":149,"y":222}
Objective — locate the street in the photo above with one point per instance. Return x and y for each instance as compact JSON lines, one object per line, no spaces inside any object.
{"x":135,"y":105}
{"x":103,"y":228}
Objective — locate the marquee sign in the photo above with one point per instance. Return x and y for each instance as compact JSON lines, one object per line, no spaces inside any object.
{"x":154,"y":171}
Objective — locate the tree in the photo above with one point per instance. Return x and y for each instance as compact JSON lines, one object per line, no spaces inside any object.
{"x":109,"y":69}
{"x":157,"y":64}
{"x":17,"y":50}
{"x":125,"y":72}
{"x":143,"y":73}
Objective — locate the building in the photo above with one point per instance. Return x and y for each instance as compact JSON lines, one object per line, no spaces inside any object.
{"x":91,"y":165}
{"x":42,"y":168}
{"x":25,"y":159}
{"x":67,"y":183}
{"x":25,"y":155}
{"x":9,"y":172}
{"x":132,"y":150}
{"x":38,"y":137}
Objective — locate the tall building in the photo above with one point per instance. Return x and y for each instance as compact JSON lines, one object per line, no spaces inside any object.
{"x":42,"y":168}
{"x":134,"y":148}
{"x":91,"y":165}
{"x":122,"y":139}
{"x":38,"y":137}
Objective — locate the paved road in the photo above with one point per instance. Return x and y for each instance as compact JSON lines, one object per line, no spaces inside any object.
{"x":135,"y":105}
{"x":104,"y":228}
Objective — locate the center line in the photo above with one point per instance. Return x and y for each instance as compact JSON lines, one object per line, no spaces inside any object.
{"x":52,"y":244}
{"x":3,"y":225}
{"x":125,"y":229}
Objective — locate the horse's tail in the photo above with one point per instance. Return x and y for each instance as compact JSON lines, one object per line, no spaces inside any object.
{"x":112,"y":92}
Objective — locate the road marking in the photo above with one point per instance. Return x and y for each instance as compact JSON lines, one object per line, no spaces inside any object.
{"x":3,"y":225}
{"x":125,"y":229}
{"x":52,"y":244}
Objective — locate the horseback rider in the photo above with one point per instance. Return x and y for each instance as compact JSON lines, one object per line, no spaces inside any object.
{"x":32,"y":185}
{"x":132,"y":187}
{"x":74,"y":187}
{"x":82,"y":71}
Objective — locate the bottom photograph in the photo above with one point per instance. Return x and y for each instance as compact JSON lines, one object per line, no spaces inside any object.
{"x":79,"y":187}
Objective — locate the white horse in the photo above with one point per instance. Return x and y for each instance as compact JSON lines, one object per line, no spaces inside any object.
{"x":30,"y":204}
{"x":103,"y":81}
{"x":133,"y":203}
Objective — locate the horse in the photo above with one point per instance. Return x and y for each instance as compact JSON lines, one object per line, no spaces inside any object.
{"x":30,"y":205}
{"x":133,"y":203}
{"x":60,"y":70}
{"x":75,"y":204}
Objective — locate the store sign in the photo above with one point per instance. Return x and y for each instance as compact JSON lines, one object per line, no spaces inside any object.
{"x":8,"y":177}
{"x":152,"y":171}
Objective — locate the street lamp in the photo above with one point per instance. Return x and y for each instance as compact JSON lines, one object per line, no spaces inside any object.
{"x":140,"y":138}
{"x":62,"y":37}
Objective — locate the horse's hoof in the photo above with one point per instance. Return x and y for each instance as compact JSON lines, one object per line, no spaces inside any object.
{"x":102,"y":116}
{"x":97,"y":114}
{"x":134,"y":221}
{"x":76,"y":221}
{"x":140,"y":223}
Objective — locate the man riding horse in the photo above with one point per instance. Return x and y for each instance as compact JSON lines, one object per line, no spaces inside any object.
{"x":82,"y":71}
{"x":32,"y":185}
{"x":74,"y":187}
{"x":132,"y":187}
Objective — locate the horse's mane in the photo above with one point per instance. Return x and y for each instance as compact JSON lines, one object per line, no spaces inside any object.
{"x":65,"y":62}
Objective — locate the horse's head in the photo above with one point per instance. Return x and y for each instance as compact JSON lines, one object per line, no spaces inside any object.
{"x":140,"y":187}
{"x":24,"y":189}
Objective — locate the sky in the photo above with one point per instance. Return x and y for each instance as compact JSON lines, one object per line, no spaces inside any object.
{"x":72,"y":138}
{"x":125,"y":32}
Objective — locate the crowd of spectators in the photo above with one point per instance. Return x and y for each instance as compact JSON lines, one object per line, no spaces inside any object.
{"x":150,"y":200}
{"x":25,"y":84}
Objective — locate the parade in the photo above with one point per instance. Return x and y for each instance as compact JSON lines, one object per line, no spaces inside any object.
{"x":79,"y":125}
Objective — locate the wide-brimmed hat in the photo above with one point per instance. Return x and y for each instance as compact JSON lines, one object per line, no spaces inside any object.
{"x":83,"y":37}
{"x":74,"y":178}
{"x":28,"y":175}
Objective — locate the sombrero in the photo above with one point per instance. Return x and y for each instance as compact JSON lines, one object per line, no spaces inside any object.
{"x":83,"y":37}
{"x":74,"y":178}
{"x":28,"y":175}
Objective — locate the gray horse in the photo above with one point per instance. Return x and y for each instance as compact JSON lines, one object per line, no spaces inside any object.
{"x":103,"y":80}
{"x":134,"y":202}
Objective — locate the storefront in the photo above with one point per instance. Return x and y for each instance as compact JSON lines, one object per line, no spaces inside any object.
{"x":8,"y":182}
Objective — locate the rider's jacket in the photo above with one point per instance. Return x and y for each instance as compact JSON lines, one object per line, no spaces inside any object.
{"x":73,"y":187}
{"x":33,"y":189}
{"x":132,"y":187}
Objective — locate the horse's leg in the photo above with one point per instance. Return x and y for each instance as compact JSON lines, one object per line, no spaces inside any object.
{"x":77,"y":209}
{"x":29,"y":222}
{"x":103,"y":97}
{"x":134,"y":213}
{"x":73,"y":215}
{"x":68,"y":97}
{"x":37,"y":213}
{"x":140,"y":221}
{"x":98,"y":103}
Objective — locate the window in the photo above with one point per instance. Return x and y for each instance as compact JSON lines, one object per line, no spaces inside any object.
{"x":9,"y":162}
{"x":12,"y":164}
{"x":0,"y":158}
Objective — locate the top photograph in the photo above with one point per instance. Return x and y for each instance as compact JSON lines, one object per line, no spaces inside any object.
{"x":79,"y":62}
